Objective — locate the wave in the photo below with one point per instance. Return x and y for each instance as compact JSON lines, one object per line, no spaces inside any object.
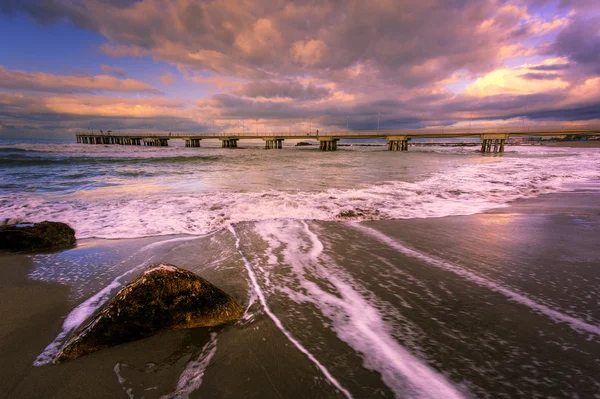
{"x":153,"y":210}
{"x":354,"y":316}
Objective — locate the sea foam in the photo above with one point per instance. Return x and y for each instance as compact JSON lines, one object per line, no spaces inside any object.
{"x":355,"y":319}
{"x":127,"y":208}
{"x":553,"y":314}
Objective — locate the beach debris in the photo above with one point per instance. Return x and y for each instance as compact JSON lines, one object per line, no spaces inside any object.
{"x":164,"y":297}
{"x":33,"y":237}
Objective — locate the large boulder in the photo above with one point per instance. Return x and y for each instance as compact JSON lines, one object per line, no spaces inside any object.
{"x":162,"y":298}
{"x":31,"y":237}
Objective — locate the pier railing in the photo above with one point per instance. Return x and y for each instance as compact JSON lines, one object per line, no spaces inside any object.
{"x":431,"y":132}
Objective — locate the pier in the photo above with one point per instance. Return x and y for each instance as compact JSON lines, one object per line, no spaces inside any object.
{"x":492,"y":140}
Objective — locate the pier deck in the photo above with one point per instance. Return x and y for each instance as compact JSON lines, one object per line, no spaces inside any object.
{"x":492,"y":139}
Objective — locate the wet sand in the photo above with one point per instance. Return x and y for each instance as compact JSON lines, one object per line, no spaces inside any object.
{"x":483,"y":343}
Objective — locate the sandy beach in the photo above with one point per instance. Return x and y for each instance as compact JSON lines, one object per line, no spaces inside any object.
{"x":255,"y":359}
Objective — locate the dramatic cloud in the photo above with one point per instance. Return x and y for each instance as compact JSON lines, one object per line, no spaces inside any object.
{"x":45,"y":82}
{"x":580,"y":42}
{"x":288,"y":89}
{"x":411,"y":62}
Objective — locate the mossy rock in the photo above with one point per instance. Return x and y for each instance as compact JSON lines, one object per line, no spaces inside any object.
{"x":163,"y":297}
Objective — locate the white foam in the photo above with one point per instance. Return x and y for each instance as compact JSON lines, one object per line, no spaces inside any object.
{"x":160,"y":267}
{"x":191,"y":377}
{"x":80,"y":314}
{"x":130,"y":209}
{"x":355,"y":320}
{"x":278,"y":323}
{"x":555,"y":315}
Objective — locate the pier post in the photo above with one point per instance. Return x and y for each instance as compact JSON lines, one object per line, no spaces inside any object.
{"x":397,"y":143}
{"x":493,"y":142}
{"x":328,"y":143}
{"x":226,"y":143}
{"x":273,"y":143}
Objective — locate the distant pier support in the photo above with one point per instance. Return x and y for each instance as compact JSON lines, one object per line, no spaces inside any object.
{"x":493,"y":143}
{"x":397,"y":143}
{"x":328,"y":143}
{"x":189,"y":142}
{"x":273,"y":143}
{"x":156,"y":142}
{"x":230,"y":142}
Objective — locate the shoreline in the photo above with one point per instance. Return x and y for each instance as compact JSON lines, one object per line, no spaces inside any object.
{"x":34,"y":323}
{"x":520,"y":205}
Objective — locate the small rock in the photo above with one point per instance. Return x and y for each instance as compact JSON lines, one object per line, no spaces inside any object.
{"x":31,"y":237}
{"x":162,"y":298}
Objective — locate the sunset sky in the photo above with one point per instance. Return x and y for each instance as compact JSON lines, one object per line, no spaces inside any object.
{"x":185,"y":65}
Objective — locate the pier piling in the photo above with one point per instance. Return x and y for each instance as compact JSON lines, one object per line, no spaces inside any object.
{"x":493,"y":143}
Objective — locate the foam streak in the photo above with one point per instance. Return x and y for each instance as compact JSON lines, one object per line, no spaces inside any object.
{"x":557,"y":316}
{"x":363,"y":328}
{"x":278,"y":323}
{"x":191,"y":377}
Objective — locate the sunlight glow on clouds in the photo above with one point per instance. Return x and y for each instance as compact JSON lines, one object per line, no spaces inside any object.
{"x":276,"y":61}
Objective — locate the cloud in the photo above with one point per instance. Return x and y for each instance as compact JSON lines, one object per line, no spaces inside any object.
{"x":580,"y":42}
{"x":308,"y":52}
{"x":515,"y":81}
{"x":549,"y":67}
{"x":167,"y":79}
{"x":40,"y":115}
{"x":45,"y":82}
{"x":539,"y":76}
{"x":286,"y":89}
{"x":113,"y":70}
{"x":449,"y":60}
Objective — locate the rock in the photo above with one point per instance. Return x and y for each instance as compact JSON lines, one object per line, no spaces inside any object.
{"x":30,"y":237}
{"x":303,"y":143}
{"x":162,"y":298}
{"x":359,"y":213}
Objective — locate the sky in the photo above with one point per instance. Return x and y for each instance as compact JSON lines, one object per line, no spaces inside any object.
{"x":271,"y":65}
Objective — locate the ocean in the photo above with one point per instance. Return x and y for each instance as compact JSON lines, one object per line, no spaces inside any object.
{"x":439,"y":272}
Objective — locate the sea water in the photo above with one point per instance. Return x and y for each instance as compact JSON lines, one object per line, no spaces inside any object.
{"x":359,"y":276}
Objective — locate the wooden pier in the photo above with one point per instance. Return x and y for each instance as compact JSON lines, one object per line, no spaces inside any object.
{"x":492,"y":139}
